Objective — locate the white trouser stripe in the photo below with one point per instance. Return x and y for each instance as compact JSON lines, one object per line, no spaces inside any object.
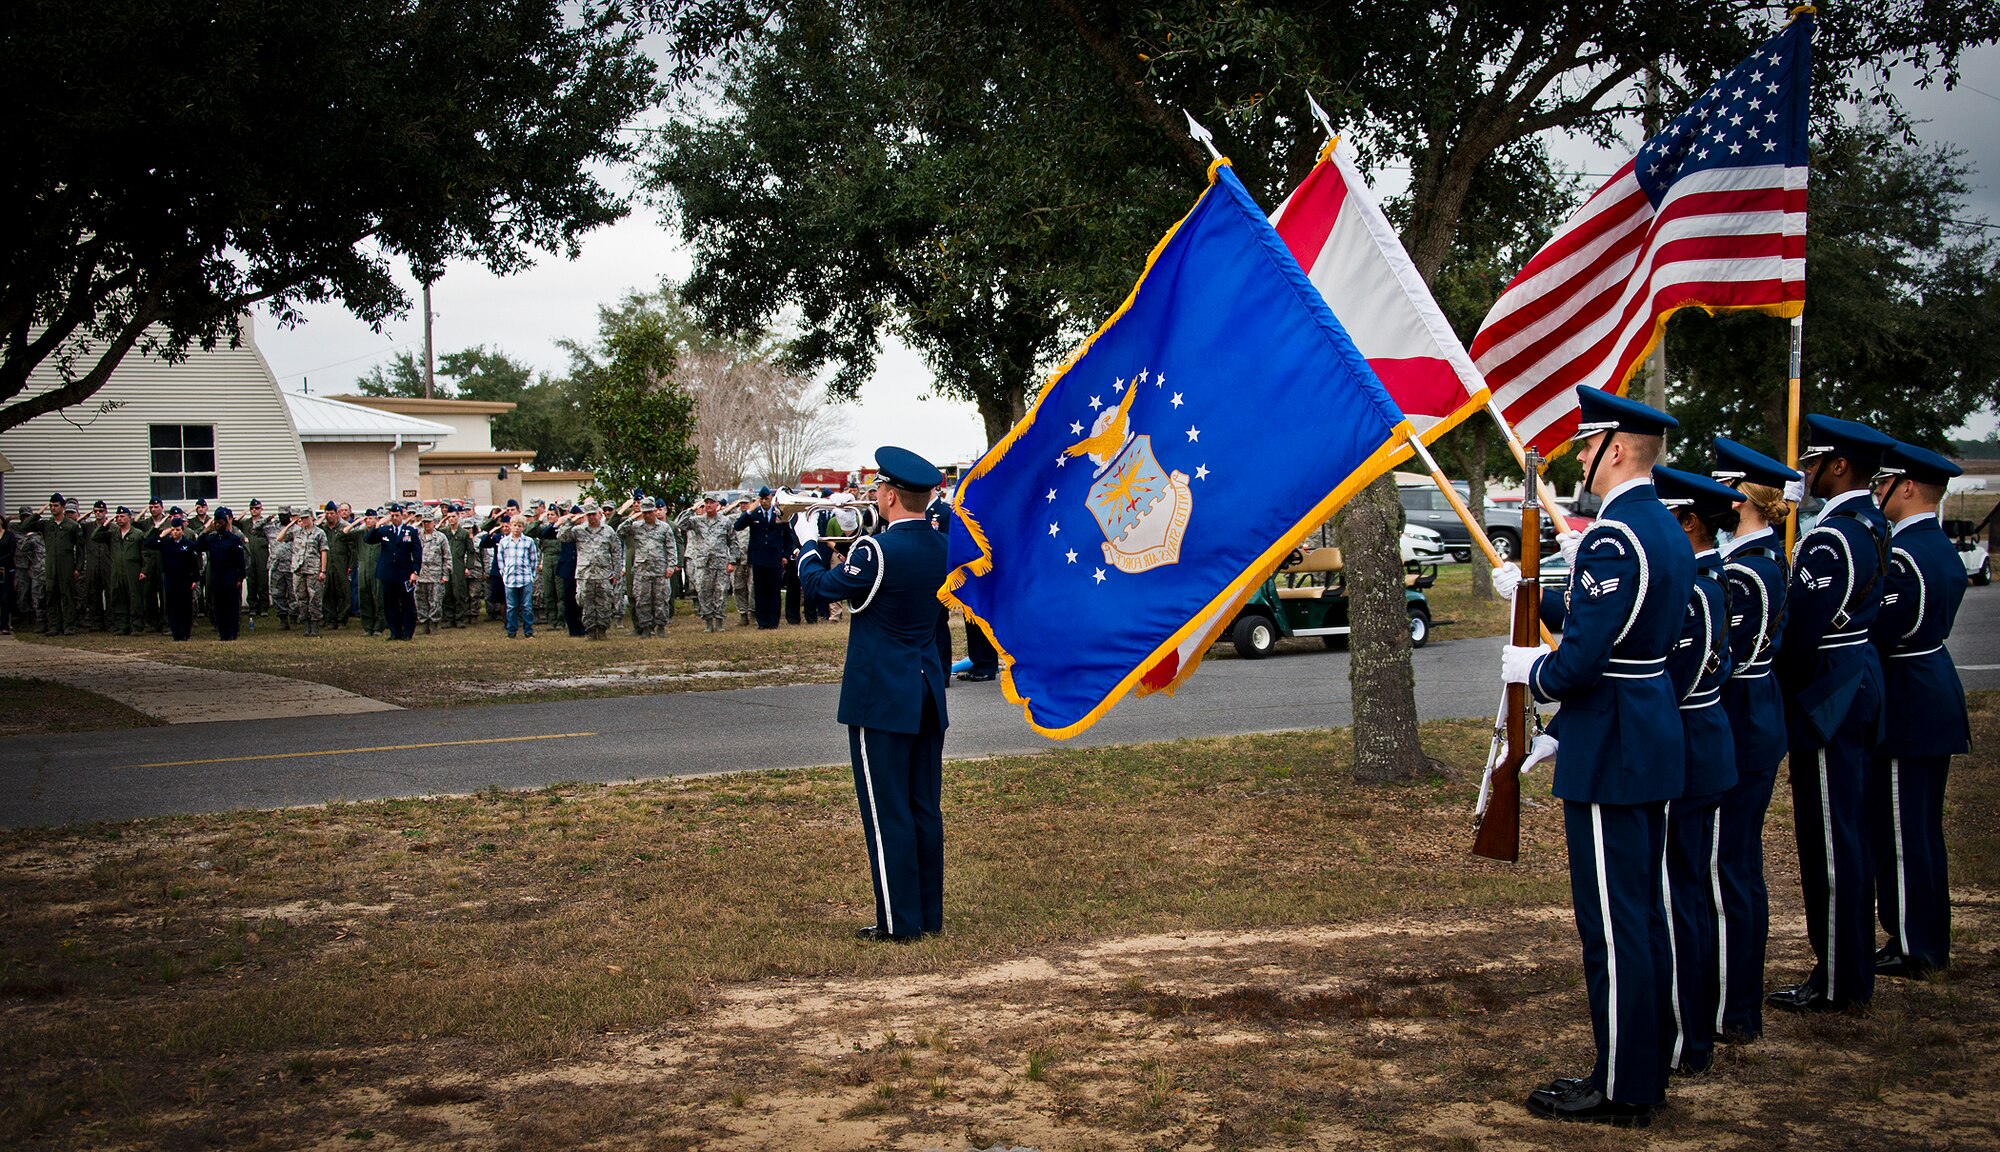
{"x":1832,"y":899}
{"x":1673,"y":939}
{"x":875,"y":819}
{"x":1721,"y":920}
{"x":1902,"y":876}
{"x":1610,"y":955}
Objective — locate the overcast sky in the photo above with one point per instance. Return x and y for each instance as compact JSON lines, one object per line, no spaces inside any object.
{"x":526,"y":314}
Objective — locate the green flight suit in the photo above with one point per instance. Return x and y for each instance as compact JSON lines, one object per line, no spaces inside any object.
{"x":374,"y":616}
{"x":128,"y":566}
{"x":339,"y":594}
{"x":61,"y":563}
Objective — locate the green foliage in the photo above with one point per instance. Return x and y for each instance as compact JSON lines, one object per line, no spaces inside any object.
{"x":1902,"y":321}
{"x":172,"y":165}
{"x":645,"y":420}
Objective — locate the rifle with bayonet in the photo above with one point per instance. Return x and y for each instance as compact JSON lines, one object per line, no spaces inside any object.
{"x":1499,"y":836}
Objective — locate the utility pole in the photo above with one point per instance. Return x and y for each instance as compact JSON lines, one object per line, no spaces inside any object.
{"x":1656,"y":364}
{"x":429,"y":351}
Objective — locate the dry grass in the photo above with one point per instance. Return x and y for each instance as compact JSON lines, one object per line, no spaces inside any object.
{"x":1205,"y":944}
{"x":43,"y":708}
{"x":480,"y":665}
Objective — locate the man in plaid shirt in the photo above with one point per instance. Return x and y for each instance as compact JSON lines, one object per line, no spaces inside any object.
{"x":520,"y":559}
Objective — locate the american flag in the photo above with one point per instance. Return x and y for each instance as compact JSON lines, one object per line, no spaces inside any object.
{"x":1710,"y":214}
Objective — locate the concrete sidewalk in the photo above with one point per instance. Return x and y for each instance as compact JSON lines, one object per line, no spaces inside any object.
{"x":177,"y":694}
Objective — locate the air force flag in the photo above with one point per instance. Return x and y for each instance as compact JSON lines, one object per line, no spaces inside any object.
{"x":1215,"y":420}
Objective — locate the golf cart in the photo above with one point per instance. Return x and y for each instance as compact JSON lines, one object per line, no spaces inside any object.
{"x":1307,"y":596}
{"x":1971,"y":550}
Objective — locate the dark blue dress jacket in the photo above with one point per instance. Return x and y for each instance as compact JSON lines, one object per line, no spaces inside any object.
{"x":401,"y":551}
{"x":1699,"y":666}
{"x":891,"y":581}
{"x":1621,"y":613}
{"x":1925,"y":701}
{"x":1754,"y":578}
{"x":1825,"y":664}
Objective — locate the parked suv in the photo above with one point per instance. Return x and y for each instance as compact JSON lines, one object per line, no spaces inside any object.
{"x":1427,"y":507}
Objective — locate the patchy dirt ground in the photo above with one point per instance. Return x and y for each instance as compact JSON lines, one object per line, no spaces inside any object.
{"x":1202,"y":945}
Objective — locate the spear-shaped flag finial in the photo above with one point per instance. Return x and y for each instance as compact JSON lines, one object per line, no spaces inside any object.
{"x":1202,"y":134}
{"x":1320,"y":115}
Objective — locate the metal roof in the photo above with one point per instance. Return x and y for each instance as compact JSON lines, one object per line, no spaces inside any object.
{"x":319,"y":419}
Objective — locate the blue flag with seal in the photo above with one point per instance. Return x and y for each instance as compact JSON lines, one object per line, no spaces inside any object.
{"x":1216,"y":419}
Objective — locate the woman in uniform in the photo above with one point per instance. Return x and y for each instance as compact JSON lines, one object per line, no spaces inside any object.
{"x":180,"y":571}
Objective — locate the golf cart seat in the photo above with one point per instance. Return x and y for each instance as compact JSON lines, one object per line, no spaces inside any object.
{"x":1318,"y":560}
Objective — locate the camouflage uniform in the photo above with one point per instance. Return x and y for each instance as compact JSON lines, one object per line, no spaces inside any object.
{"x":29,"y":580}
{"x":280,"y":570}
{"x":433,"y":577}
{"x":711,"y":548}
{"x":308,"y":579}
{"x":598,"y":560}
{"x":740,"y":579}
{"x":257,"y":581}
{"x":653,"y":551}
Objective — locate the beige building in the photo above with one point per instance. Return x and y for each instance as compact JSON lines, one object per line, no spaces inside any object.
{"x":362,"y":455}
{"x":463,"y":465}
{"x":213,"y":426}
{"x":555,"y":487}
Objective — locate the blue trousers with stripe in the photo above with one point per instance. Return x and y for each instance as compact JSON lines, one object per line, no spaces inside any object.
{"x":1912,"y":885}
{"x":1836,"y":875}
{"x":1615,"y":852}
{"x":1745,"y":922}
{"x":1692,"y":882}
{"x":898,"y":777}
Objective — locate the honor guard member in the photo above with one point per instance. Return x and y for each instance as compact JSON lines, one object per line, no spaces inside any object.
{"x":1754,"y":576}
{"x":1832,"y":681}
{"x":1925,"y":721}
{"x":1622,"y":755}
{"x":892,"y":694}
{"x":1698,"y":667}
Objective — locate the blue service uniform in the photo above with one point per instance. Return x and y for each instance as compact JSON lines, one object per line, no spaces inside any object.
{"x":892,"y":699}
{"x":1622,"y":759}
{"x":1925,"y":726}
{"x":771,"y":541}
{"x":1754,"y":574}
{"x":400,"y":551}
{"x":180,"y":570}
{"x":1832,"y":681}
{"x":1699,"y":667}
{"x":228,"y":563}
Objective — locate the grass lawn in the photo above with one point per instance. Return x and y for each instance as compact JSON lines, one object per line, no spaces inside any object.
{"x":44,"y":707}
{"x":1206,"y":944}
{"x":480,"y":665}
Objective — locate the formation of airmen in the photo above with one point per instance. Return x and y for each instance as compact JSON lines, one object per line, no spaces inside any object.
{"x":1687,"y":670}
{"x":594,"y":566}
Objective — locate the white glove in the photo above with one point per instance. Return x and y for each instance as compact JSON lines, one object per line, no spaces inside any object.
{"x":1517,"y":662}
{"x":1506,"y":578}
{"x":1567,"y":543}
{"x":1795,"y":491}
{"x":1542,"y":748}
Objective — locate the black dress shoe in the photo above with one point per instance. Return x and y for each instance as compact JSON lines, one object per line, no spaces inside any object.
{"x":1901,"y":967}
{"x":1886,"y":952}
{"x":1588,"y":1106}
{"x":1803,"y":998}
{"x":1562,"y":1086}
{"x":978,"y":677}
{"x":876,"y":935}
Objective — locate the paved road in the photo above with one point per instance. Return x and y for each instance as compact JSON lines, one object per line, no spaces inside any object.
{"x":310,"y":760}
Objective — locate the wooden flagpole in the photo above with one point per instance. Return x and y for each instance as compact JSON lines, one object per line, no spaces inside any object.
{"x":1792,"y":426}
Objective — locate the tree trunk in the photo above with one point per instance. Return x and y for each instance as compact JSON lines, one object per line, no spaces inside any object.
{"x":1386,"y":746}
{"x":999,"y":414}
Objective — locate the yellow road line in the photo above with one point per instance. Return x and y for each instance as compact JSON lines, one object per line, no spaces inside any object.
{"x":352,"y":751}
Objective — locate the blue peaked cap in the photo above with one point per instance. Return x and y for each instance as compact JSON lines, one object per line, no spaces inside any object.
{"x":906,"y":469}
{"x":1678,"y":488}
{"x":1601,"y":411}
{"x":1920,"y":464}
{"x":1832,"y":436}
{"x":1738,"y":462}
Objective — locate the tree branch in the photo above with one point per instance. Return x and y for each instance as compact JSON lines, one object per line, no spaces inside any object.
{"x":1105,"y":48}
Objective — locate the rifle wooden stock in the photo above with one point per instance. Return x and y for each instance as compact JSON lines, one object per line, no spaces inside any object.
{"x":1499,"y":836}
